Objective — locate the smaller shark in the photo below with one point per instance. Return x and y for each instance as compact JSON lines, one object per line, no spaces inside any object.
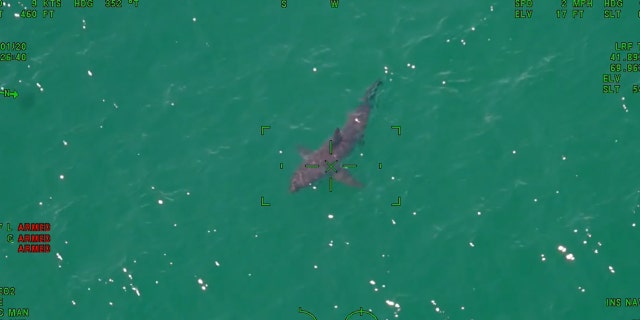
{"x":324,"y":161}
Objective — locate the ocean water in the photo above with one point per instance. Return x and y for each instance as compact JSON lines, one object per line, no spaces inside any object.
{"x":136,"y":135}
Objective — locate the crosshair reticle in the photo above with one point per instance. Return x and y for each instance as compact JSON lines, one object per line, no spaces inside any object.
{"x":330,"y":166}
{"x":361,"y":312}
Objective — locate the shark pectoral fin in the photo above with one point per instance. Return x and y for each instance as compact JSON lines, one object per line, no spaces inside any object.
{"x":304,"y":152}
{"x":337,"y":136}
{"x":345,"y":177}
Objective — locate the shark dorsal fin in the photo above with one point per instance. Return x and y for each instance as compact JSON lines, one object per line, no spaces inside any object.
{"x":337,"y":136}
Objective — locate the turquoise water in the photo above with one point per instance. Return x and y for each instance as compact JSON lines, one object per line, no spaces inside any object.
{"x":137,"y":136}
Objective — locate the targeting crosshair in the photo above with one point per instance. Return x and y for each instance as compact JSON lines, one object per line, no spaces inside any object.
{"x":331,"y":170}
{"x":360,"y":312}
{"x":330,"y":166}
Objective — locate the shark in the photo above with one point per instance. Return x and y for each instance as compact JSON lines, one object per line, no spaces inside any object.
{"x":325,"y":161}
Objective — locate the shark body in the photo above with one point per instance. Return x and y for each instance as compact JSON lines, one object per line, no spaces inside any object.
{"x":326,"y":160}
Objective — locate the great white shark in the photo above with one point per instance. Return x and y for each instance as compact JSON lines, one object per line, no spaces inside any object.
{"x":326,"y":160}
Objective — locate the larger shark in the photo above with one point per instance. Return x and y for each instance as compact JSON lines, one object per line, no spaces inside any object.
{"x":326,"y":160}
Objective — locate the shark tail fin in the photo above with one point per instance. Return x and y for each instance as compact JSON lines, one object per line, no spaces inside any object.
{"x":371,"y":91}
